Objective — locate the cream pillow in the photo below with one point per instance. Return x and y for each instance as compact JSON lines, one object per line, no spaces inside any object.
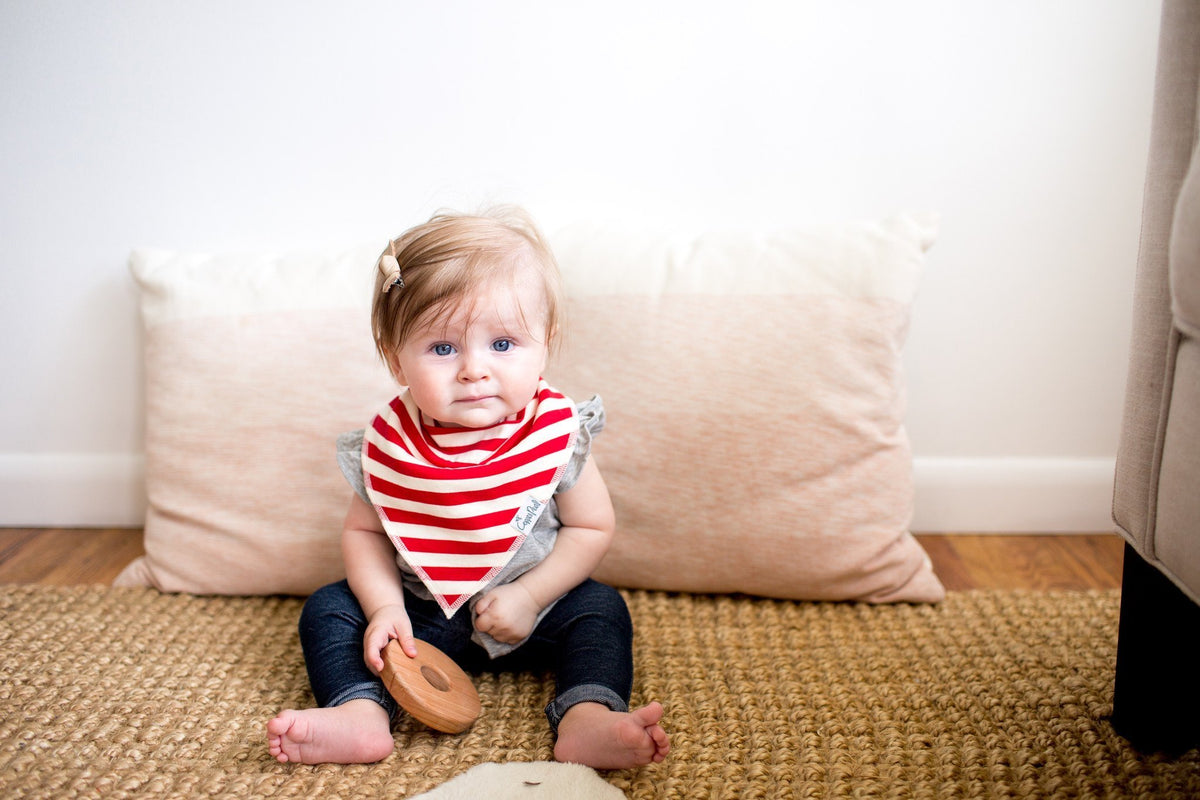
{"x":254,"y":364}
{"x":753,"y":385}
{"x":755,"y":395}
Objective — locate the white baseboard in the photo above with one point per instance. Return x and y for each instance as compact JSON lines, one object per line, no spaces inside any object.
{"x":1013,"y":495}
{"x":67,"y":490}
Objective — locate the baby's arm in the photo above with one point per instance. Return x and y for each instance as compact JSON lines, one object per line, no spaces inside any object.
{"x":509,"y":612}
{"x":375,"y":580}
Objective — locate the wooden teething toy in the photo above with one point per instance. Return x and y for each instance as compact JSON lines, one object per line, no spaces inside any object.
{"x":431,"y":687}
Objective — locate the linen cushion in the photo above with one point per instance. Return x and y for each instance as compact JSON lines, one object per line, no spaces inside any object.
{"x":755,"y":391}
{"x":753,"y":384}
{"x":253,"y":365}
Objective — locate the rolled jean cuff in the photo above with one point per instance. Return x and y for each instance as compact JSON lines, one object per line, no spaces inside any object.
{"x":583,"y":693}
{"x":368,"y":691}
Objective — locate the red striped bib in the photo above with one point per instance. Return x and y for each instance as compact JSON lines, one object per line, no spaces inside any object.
{"x":458,"y":502}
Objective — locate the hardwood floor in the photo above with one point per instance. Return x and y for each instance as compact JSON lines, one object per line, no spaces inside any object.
{"x":58,"y":556}
{"x":1026,"y":561}
{"x":66,"y":556}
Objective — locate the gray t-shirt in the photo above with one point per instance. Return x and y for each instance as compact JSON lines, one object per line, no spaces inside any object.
{"x":538,"y":543}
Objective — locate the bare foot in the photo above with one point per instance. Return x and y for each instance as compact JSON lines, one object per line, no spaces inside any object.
{"x":594,"y":735}
{"x":358,"y":732}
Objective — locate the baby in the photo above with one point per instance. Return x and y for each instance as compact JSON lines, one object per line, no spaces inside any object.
{"x":478,"y":514}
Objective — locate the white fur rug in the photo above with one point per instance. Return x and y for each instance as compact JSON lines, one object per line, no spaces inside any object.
{"x":528,"y":780}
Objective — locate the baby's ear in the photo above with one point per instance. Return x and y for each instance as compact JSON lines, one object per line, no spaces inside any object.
{"x":393,"y":365}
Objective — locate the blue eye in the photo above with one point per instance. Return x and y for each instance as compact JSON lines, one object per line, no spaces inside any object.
{"x":443,"y":349}
{"x":502,"y":345}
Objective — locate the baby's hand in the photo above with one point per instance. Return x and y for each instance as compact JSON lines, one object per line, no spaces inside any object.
{"x":507,"y":613}
{"x":387,"y":623}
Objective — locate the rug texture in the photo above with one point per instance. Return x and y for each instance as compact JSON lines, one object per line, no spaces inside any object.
{"x":131,"y":693}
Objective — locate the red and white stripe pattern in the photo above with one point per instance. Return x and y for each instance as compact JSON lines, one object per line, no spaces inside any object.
{"x":458,"y":502}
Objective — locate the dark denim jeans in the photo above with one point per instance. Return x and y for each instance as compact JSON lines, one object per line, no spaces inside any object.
{"x":586,"y":638}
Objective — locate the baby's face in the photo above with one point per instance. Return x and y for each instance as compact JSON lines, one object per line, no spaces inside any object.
{"x":481,"y":363}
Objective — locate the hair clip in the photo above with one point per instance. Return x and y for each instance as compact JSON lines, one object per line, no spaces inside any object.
{"x":389,"y":267}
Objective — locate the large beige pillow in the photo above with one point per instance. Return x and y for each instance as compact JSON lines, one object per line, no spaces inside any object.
{"x":753,"y":384}
{"x":755,"y":397}
{"x":254,"y":364}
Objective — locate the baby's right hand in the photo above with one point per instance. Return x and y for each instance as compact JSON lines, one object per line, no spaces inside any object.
{"x":387,"y":623}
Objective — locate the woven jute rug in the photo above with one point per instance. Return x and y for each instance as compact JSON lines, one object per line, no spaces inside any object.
{"x":130,"y":693}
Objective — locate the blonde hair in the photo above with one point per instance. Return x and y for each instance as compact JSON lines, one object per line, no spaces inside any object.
{"x":444,"y":260}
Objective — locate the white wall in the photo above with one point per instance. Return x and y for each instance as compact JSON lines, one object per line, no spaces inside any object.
{"x":246,"y":125}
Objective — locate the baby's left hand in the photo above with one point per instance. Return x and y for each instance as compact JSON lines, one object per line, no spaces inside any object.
{"x":507,"y":613}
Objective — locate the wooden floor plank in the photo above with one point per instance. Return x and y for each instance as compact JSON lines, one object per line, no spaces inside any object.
{"x":948,"y":563}
{"x":1107,"y":553}
{"x":66,"y":557}
{"x":1025,"y":561}
{"x":12,"y":541}
{"x":963,"y":561}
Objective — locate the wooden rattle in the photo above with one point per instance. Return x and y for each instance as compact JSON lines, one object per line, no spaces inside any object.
{"x":431,"y":687}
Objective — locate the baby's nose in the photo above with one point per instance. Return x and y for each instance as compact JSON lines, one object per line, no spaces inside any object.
{"x":474,"y":368}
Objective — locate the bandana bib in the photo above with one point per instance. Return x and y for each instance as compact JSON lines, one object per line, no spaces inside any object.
{"x":458,"y":502}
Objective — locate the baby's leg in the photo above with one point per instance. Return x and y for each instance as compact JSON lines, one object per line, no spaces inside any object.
{"x":593,"y":638}
{"x":596,"y":736}
{"x":357,"y":732}
{"x":353,"y":721}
